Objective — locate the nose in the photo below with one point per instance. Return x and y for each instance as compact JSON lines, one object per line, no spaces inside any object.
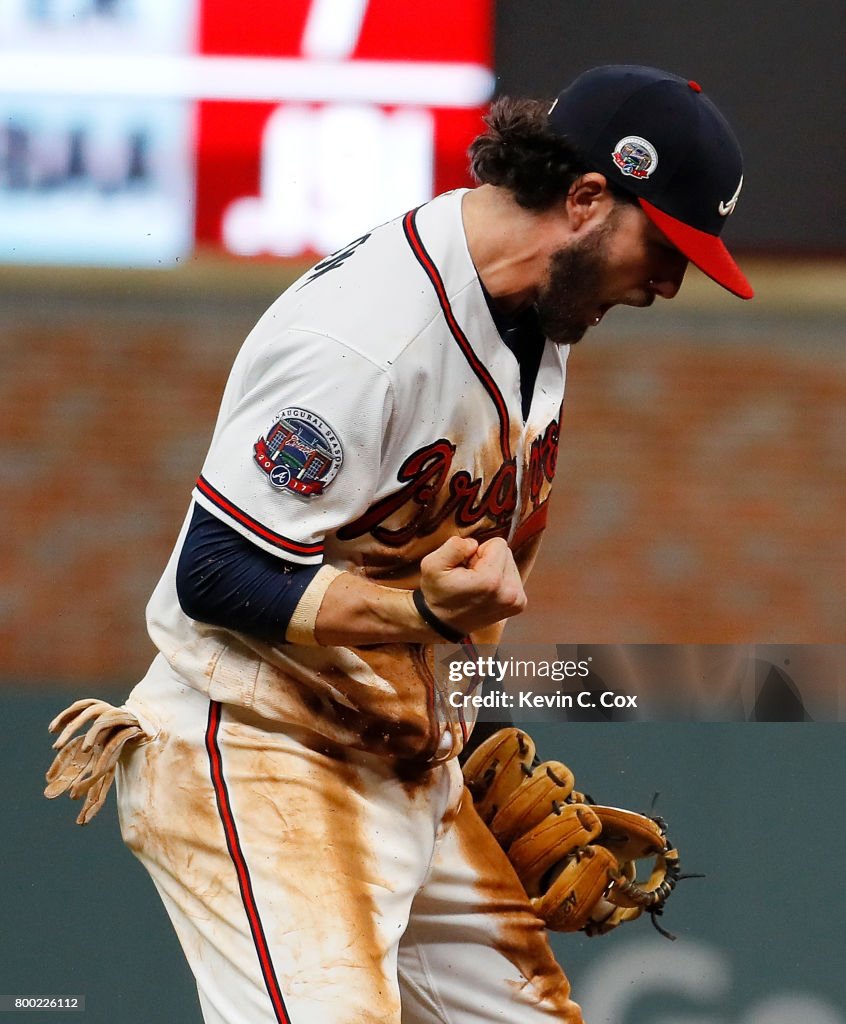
{"x":666,"y":284}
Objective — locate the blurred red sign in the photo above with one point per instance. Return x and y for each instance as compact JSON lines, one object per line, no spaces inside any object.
{"x":384,"y":99}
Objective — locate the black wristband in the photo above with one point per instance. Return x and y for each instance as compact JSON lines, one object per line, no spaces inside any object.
{"x":429,"y":617}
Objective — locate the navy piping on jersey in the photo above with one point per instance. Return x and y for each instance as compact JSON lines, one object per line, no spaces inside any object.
{"x":224,"y":579}
{"x":245,"y":884}
{"x":293,"y":547}
{"x":425,"y":260}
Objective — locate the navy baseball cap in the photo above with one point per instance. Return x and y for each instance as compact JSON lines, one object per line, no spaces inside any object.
{"x":660,"y":138}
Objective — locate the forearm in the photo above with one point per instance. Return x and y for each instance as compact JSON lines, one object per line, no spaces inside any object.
{"x":225,"y":580}
{"x":464,"y":587}
{"x":357,"y":611}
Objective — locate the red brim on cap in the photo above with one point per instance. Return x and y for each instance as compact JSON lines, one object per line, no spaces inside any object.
{"x":703,"y":250}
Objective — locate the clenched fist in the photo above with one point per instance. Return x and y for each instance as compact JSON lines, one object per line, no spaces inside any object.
{"x":470,"y":585}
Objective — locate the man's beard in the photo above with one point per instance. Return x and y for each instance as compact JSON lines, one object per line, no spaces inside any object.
{"x":567,"y":302}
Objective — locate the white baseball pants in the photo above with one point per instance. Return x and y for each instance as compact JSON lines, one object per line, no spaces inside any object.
{"x":315,"y":886}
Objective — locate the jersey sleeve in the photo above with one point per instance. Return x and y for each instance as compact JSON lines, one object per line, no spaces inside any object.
{"x":297,"y":448}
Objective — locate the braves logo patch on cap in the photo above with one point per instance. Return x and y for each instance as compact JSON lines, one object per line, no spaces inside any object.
{"x":726,"y":209}
{"x":300,"y":453}
{"x":635,"y":157}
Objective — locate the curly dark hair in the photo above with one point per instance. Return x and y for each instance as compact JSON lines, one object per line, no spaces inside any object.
{"x":522,"y":153}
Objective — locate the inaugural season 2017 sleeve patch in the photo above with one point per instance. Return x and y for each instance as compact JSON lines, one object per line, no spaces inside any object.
{"x":300,"y":453}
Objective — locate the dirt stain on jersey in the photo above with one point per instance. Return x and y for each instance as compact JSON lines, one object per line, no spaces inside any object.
{"x":378,"y":699}
{"x":521,"y":935}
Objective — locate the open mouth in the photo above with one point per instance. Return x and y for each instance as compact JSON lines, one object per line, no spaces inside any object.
{"x":602,"y":311}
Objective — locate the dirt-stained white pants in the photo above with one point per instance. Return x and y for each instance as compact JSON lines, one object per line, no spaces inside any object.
{"x":317,"y":887}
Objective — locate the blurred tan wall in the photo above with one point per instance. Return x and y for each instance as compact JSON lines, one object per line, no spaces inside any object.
{"x":701,"y":479}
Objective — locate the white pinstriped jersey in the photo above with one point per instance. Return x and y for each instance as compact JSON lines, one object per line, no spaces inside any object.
{"x":373,"y":412}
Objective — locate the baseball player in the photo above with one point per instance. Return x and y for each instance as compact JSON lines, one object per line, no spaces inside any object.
{"x":378,"y":480}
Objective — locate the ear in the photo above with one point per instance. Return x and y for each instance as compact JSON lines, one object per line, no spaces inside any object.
{"x":588,"y":201}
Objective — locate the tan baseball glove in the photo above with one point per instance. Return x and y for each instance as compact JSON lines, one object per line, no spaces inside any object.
{"x":576,"y":859}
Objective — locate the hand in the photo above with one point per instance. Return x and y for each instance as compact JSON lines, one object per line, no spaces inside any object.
{"x":470,"y":585}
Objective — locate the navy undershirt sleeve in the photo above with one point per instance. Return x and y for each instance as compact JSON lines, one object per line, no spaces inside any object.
{"x":225,"y":580}
{"x":522,"y":333}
